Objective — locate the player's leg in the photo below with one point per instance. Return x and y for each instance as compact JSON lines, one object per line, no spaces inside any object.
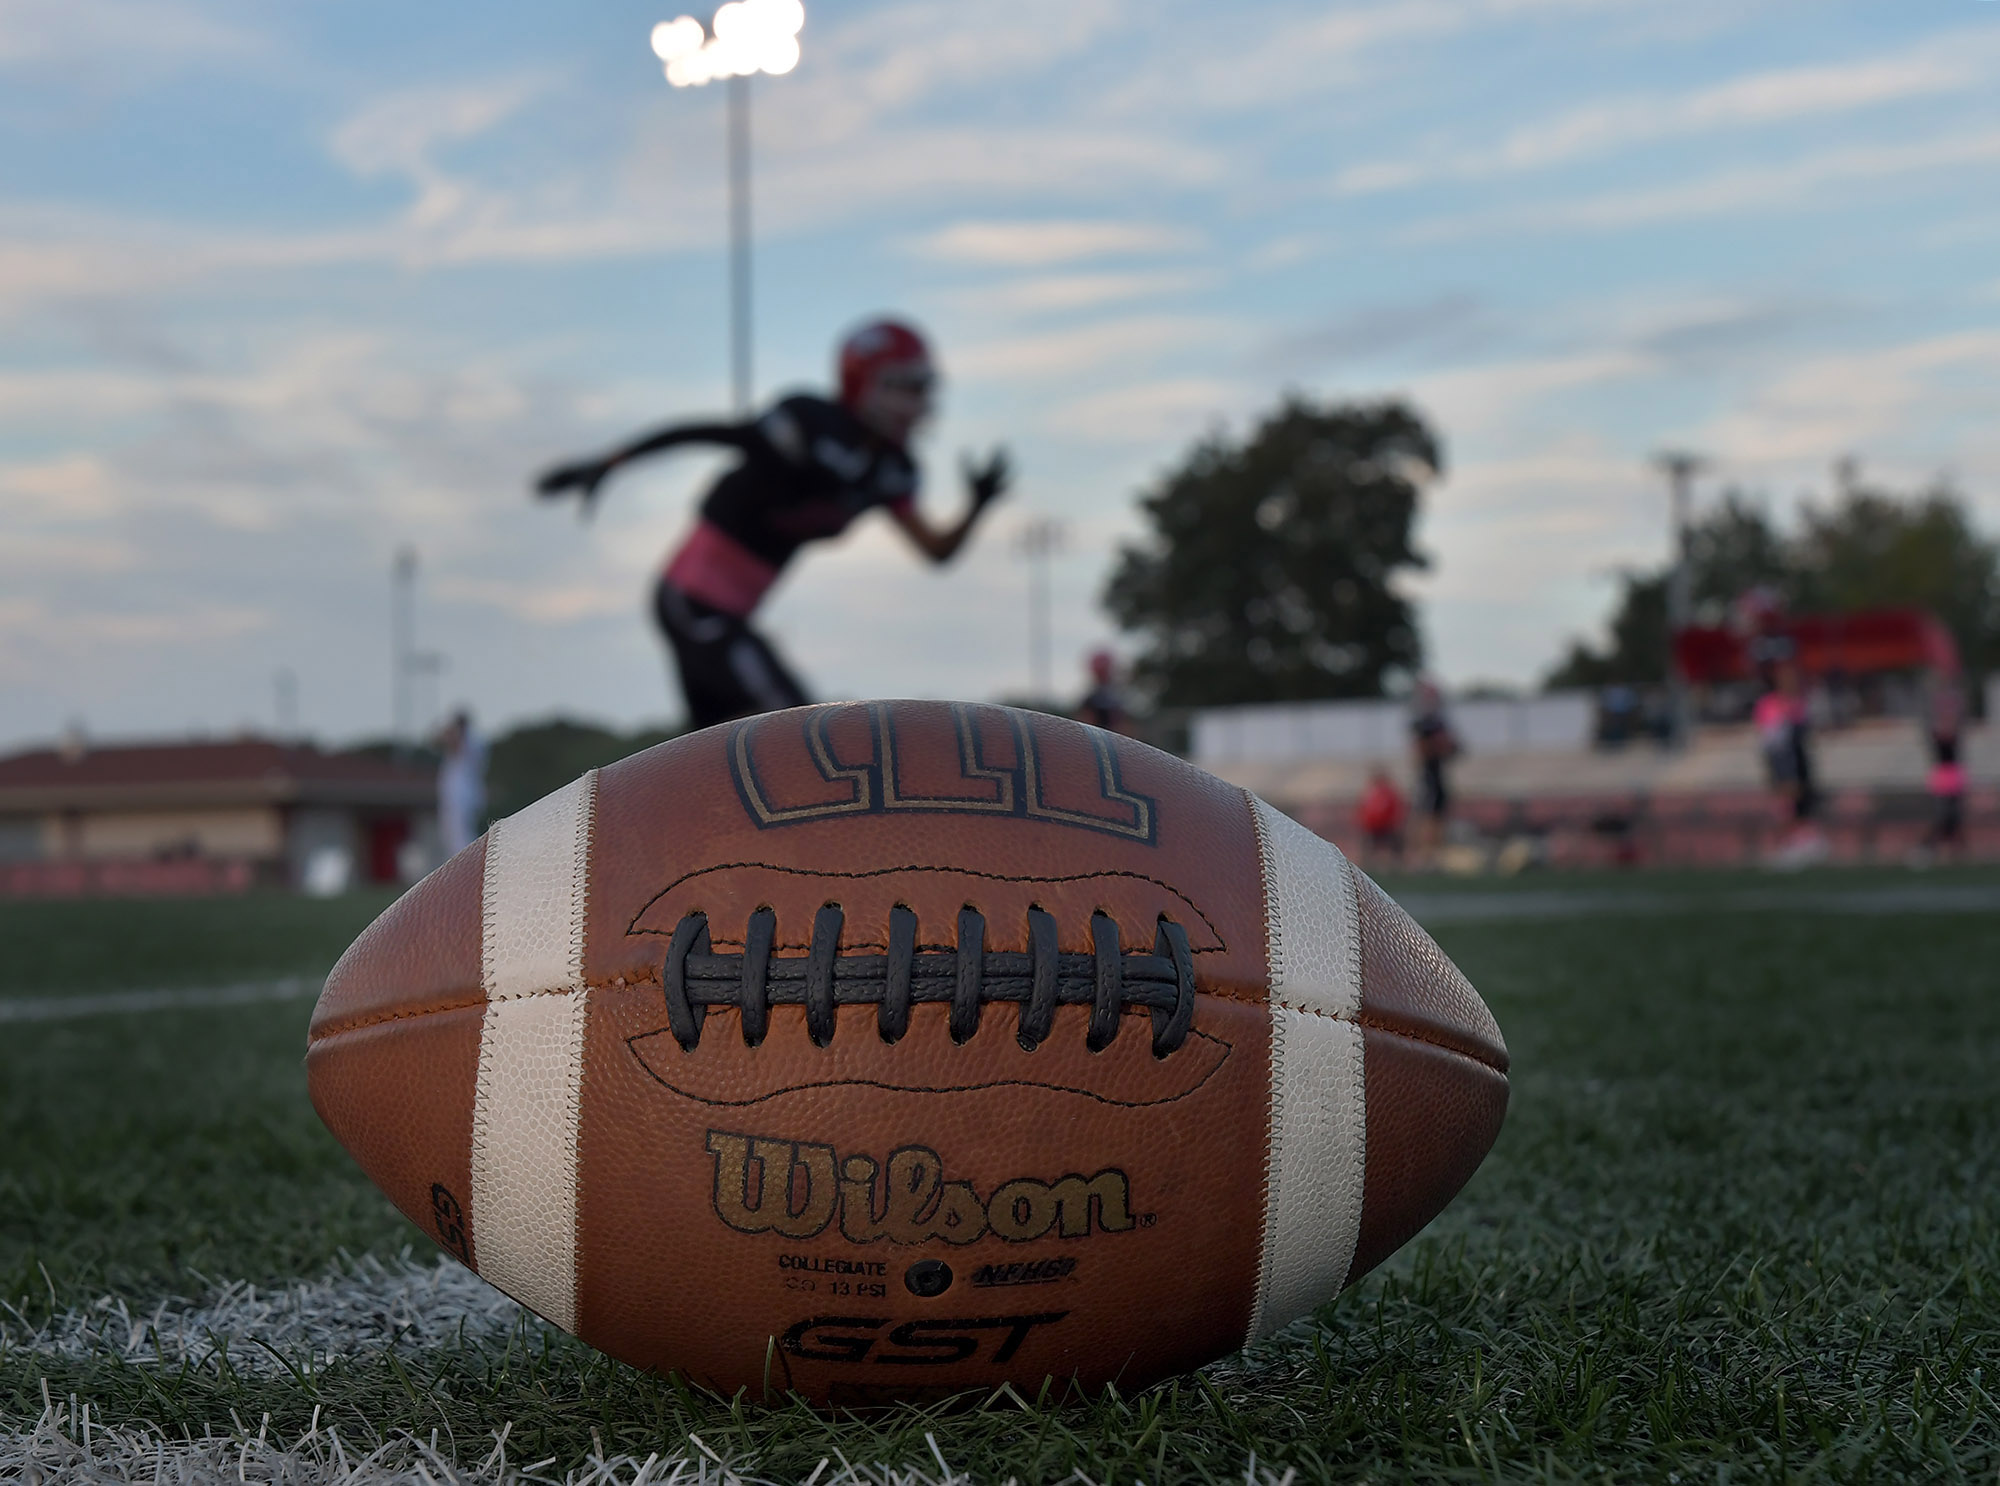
{"x":700,"y":638}
{"x":727,"y":669}
{"x":764,"y":680}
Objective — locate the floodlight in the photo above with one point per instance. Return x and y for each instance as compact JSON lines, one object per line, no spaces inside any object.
{"x":677,"y":38}
{"x":743,"y":38}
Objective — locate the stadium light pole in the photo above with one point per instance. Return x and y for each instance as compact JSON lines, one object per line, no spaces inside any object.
{"x":1037,"y":542}
{"x":402,"y":640}
{"x":1680,"y":468}
{"x":746,"y":37}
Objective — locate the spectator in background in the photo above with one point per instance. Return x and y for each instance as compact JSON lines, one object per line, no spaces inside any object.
{"x":1435,"y":745}
{"x":1784,"y":734}
{"x":461,"y":784}
{"x":1380,"y":815}
{"x":1103,"y":706}
{"x":1946,"y":782}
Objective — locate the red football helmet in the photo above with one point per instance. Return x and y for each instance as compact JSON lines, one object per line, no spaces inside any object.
{"x":876,"y":346}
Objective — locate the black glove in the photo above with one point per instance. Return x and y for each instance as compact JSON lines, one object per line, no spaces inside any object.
{"x":988,"y":482}
{"x":583,"y":477}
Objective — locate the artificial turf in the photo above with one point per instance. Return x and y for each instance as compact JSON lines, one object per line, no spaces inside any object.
{"x":1743,"y":1224}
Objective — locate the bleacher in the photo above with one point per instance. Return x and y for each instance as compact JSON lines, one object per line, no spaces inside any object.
{"x":1639,"y":804}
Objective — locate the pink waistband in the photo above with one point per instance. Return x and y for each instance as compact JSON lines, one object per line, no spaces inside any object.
{"x":713,"y":568}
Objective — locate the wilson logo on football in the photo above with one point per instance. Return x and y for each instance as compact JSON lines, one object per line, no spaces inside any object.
{"x":796,"y":1189}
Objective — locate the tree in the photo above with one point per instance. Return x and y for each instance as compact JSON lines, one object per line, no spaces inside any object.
{"x":1637,"y":653}
{"x":1867,"y":549}
{"x":1731,"y":549}
{"x":1873,"y":550}
{"x":1269,"y":575}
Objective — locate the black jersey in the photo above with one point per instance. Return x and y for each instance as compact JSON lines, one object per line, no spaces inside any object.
{"x":812,"y":469}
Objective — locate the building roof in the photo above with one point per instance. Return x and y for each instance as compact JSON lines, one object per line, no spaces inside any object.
{"x":196,"y":775}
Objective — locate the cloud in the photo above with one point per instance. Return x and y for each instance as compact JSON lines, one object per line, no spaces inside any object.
{"x":1037,"y":244}
{"x":1754,"y":99}
{"x":104,"y":38}
{"x":1172,"y":412}
{"x":1451,"y":321}
{"x":560,"y":603}
{"x":1206,"y":62}
{"x":1909,"y":397}
{"x":890,"y":59}
{"x":400,"y":133}
{"x":74,"y":630}
{"x":69,"y":485}
{"x":1080,"y":291}
{"x":1763,"y":188}
{"x":1074,"y":351}
{"x":1492,"y":397}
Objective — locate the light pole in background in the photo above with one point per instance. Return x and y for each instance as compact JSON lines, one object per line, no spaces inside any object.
{"x":1035,"y":543}
{"x":745,"y":38}
{"x":408,"y":666}
{"x":1680,"y":468}
{"x":402,"y":643}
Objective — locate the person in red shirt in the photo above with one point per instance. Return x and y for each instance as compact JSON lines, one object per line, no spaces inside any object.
{"x":810,"y":466}
{"x":1380,"y":815}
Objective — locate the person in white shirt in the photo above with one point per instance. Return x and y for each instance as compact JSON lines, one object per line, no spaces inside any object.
{"x":461,"y":784}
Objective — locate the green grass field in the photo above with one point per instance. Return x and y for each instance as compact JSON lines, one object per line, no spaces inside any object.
{"x":1743,"y":1222}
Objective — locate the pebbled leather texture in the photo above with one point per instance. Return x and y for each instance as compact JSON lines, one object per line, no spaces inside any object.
{"x":1432,"y":1116}
{"x":1409,"y":986}
{"x":392,"y":1053}
{"x":860,"y":1219}
{"x":1437,"y":1077}
{"x":420,"y":955}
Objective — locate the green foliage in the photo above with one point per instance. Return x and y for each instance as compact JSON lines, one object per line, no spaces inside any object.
{"x":1742,"y":1225}
{"x":1637,"y":652}
{"x":537,"y":758}
{"x":1875,"y":549}
{"x":1270,"y":571}
{"x":1868,"y":549}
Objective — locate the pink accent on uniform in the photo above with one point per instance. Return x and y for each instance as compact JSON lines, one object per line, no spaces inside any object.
{"x":1775,"y":712}
{"x":713,"y":568}
{"x":1947,"y":780}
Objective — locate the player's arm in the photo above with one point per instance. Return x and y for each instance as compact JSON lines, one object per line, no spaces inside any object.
{"x":584,"y":476}
{"x":984,"y":484}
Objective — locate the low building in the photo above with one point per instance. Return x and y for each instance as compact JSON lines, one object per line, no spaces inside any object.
{"x":209,"y":817}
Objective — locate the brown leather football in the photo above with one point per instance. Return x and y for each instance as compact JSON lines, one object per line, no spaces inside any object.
{"x":880,"y":1049}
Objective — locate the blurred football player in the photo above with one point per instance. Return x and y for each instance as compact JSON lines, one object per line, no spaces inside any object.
{"x":1784,"y":733}
{"x":809,"y":467}
{"x":1435,"y":746}
{"x":1380,"y":813}
{"x":1103,"y":706}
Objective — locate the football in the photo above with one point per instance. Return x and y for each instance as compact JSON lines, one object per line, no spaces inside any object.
{"x":879,"y":1050}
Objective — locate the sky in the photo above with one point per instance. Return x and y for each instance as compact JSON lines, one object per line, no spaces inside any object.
{"x":285,"y":289}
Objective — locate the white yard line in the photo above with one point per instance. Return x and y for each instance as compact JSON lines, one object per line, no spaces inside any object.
{"x":363,"y":1306}
{"x":126,"y":1003}
{"x":70,"y":1442}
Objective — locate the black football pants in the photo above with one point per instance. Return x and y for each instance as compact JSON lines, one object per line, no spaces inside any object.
{"x":727,"y":668}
